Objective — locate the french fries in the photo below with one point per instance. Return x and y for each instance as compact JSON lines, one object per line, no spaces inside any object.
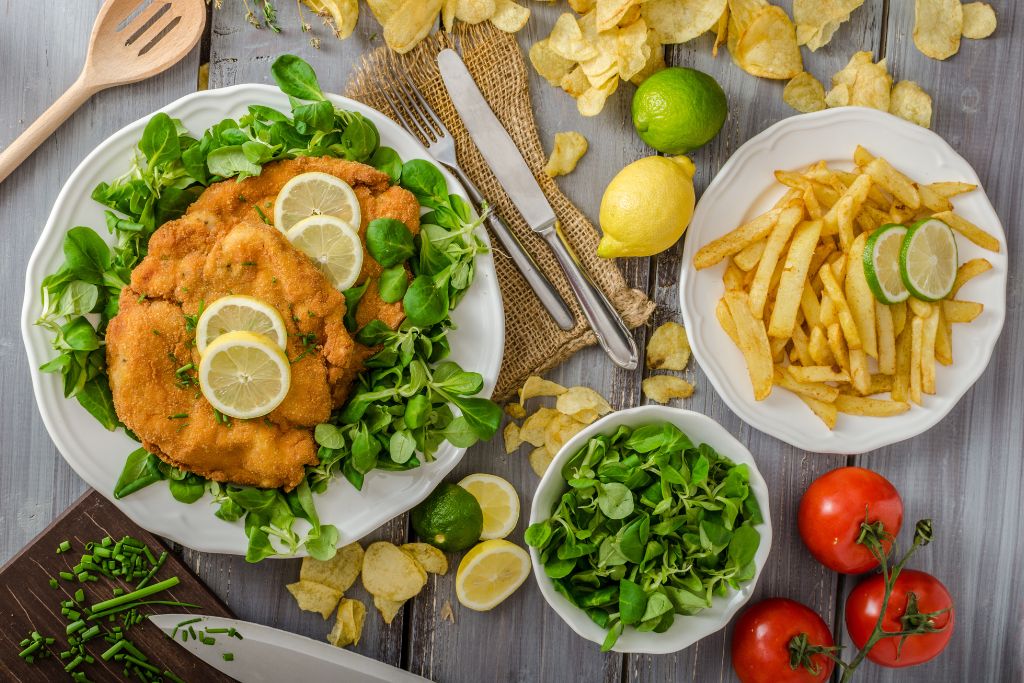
{"x":799,"y":306}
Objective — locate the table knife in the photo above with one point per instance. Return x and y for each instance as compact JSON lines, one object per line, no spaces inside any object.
{"x":270,"y":655}
{"x":509,"y":167}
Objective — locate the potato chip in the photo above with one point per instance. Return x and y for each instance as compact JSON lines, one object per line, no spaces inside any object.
{"x":587,"y":416}
{"x":871,"y":87}
{"x":391,"y":573}
{"x":550,"y":65}
{"x":515,"y":410}
{"x":566,"y":40}
{"x":339,"y":572}
{"x":575,"y":82}
{"x":608,"y":13}
{"x":804,"y":93}
{"x":474,"y":11}
{"x":838,"y":96}
{"x":532,"y":430}
{"x":569,"y":149}
{"x":818,"y":20}
{"x":767,"y":48}
{"x":538,"y":386}
{"x":582,"y":398}
{"x":410,"y":24}
{"x":655,"y":59}
{"x":910,"y":102}
{"x":348,"y":627}
{"x":979,"y":20}
{"x":668,"y":349}
{"x":664,"y":388}
{"x":448,"y":14}
{"x":938,"y":25}
{"x":512,"y":438}
{"x":509,"y":16}
{"x":591,"y":102}
{"x":632,"y":49}
{"x":446,"y":613}
{"x":540,"y":458}
{"x":560,"y":430}
{"x":680,"y":21}
{"x":743,"y":13}
{"x":314,"y":597}
{"x":344,"y":14}
{"x":384,"y":9}
{"x":430,"y":558}
{"x":388,"y":609}
{"x":582,"y":6}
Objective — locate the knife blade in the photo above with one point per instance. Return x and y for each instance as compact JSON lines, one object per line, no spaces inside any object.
{"x":270,"y":655}
{"x":507,"y":163}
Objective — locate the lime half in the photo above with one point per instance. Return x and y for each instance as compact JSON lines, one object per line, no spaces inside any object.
{"x":928,"y":260}
{"x":882,"y":264}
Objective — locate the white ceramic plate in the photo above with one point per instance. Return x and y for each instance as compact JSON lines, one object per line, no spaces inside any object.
{"x":685,"y":630}
{"x":98,"y":455}
{"x":746,"y":187}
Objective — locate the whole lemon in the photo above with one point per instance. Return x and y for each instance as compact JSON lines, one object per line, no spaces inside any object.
{"x":677,"y":110}
{"x":646,"y":207}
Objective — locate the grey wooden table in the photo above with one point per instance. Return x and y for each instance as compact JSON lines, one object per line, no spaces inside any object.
{"x":966,"y":473}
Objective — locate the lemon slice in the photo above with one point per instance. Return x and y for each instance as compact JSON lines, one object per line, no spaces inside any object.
{"x":315,"y":194}
{"x":244,"y":375}
{"x":498,"y":501}
{"x":881,"y":260}
{"x":489,"y":573}
{"x":240,"y":313}
{"x":928,"y":260}
{"x":333,"y":245}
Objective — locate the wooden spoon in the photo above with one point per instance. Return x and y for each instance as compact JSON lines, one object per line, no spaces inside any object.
{"x":131,"y":41}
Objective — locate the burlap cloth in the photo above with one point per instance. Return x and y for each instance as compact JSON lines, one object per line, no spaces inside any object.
{"x":533,"y":342}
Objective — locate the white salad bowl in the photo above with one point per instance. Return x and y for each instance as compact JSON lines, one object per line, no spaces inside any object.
{"x":685,"y":630}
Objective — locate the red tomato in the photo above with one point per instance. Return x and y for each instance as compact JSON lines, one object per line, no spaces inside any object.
{"x":760,"y":643}
{"x":832,"y":510}
{"x":865,"y":604}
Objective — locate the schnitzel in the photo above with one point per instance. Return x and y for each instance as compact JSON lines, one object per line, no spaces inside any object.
{"x":222,"y":246}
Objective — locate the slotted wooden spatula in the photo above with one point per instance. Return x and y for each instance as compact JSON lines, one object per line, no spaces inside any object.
{"x":131,"y":41}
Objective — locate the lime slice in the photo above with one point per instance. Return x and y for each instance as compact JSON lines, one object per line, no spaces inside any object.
{"x":244,"y":375}
{"x":315,"y":194}
{"x":333,"y":245}
{"x":882,"y":264}
{"x":928,"y":260}
{"x":239,"y":313}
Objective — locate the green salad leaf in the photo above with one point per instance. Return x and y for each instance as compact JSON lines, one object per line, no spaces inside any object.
{"x":407,"y":402}
{"x":649,"y":527}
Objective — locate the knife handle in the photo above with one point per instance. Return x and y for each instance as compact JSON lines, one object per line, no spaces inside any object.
{"x":542,"y":287}
{"x":611,"y":332}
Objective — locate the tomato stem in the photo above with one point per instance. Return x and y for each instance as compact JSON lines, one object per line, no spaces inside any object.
{"x":873,"y":536}
{"x":801,"y":650}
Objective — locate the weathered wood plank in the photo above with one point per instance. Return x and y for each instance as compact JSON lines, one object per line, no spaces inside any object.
{"x":754,"y":105}
{"x":966,"y":473}
{"x":42,"y":53}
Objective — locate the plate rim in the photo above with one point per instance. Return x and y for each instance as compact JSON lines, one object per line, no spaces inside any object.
{"x":431,"y":473}
{"x":828,"y":442}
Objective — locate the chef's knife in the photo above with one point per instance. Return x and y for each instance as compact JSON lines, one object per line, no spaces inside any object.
{"x":270,"y":655}
{"x":515,"y":176}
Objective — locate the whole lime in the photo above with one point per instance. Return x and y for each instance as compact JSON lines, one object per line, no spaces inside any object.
{"x":678,"y":110}
{"x":450,"y":518}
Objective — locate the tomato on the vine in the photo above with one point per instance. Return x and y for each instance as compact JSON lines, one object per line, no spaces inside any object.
{"x":763,"y":647}
{"x":833,"y":509}
{"x":919,"y":601}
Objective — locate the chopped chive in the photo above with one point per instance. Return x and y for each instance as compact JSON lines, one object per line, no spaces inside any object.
{"x":53,"y":583}
{"x":67,"y":576}
{"x":75,"y":626}
{"x":63,"y":547}
{"x":228,"y":657}
{"x":79,"y":595}
{"x":169,"y":675}
{"x":136,"y":594}
{"x":177,"y":416}
{"x":208,"y":640}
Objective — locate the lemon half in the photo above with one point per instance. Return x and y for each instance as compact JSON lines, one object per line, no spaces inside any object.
{"x":239,"y":313}
{"x":244,"y":375}
{"x":315,"y":194}
{"x":498,"y":501}
{"x":489,"y":573}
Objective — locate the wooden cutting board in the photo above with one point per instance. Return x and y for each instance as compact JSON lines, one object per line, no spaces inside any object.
{"x":28,"y":603}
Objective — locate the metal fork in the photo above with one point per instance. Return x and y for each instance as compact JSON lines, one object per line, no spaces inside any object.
{"x":419,"y":118}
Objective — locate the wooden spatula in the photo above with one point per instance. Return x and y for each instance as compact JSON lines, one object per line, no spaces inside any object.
{"x":131,"y":41}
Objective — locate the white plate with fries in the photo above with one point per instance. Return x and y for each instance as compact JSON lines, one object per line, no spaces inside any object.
{"x":831,"y":368}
